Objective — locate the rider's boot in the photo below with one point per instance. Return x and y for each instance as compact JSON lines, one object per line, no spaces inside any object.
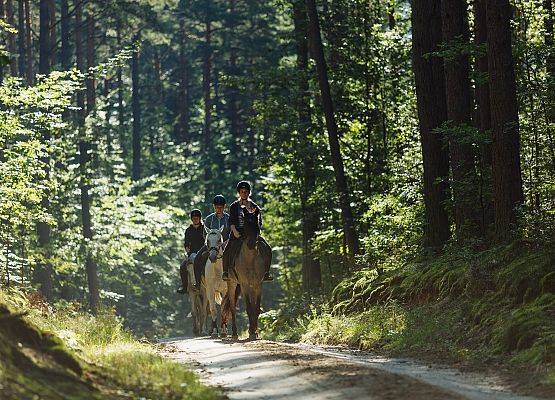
{"x":195,"y":287}
{"x":267,"y":277}
{"x":225,"y":276}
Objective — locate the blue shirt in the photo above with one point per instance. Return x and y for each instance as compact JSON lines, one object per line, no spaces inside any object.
{"x":213,"y":222}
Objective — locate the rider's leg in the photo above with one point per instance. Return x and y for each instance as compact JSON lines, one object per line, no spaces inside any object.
{"x":184,"y":277}
{"x":198,"y":266}
{"x":229,"y":255}
{"x":266,"y":251}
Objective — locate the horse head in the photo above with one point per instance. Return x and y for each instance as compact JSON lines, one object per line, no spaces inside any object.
{"x":251,"y":226}
{"x":214,"y":241}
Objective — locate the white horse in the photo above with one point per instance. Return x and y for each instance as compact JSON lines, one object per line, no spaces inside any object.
{"x":196,"y":298}
{"x":216,"y":288}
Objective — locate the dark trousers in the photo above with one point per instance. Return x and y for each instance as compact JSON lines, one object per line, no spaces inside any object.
{"x":183,"y":273}
{"x":234,"y":246}
{"x":200,"y":262}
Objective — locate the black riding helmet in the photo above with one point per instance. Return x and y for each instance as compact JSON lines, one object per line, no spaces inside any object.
{"x":219,"y":200}
{"x":243,"y":185}
{"x":196,"y":213}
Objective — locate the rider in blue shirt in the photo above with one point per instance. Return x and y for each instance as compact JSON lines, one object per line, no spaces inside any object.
{"x":218,"y":219}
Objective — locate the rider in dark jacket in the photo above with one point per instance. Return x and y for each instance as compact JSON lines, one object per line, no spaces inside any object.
{"x":193,"y":242}
{"x":236,"y":226}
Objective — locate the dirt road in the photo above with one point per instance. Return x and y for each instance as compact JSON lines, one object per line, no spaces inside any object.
{"x":269,"y":370}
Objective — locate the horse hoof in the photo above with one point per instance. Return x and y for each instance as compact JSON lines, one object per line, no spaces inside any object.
{"x":223,"y":334}
{"x":235,"y":337}
{"x":253,"y":336}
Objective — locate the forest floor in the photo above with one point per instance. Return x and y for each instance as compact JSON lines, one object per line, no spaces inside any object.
{"x":271,"y":370}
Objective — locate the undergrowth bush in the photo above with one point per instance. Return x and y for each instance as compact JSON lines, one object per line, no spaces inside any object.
{"x":464,"y":305}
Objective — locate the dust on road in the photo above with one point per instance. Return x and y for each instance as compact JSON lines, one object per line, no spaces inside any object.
{"x":270,"y":370}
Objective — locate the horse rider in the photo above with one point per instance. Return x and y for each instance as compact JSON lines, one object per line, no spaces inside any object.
{"x":217,"y":220}
{"x":236,"y":226}
{"x":193,"y":242}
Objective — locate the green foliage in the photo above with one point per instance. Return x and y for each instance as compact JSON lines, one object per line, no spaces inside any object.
{"x":114,"y":362}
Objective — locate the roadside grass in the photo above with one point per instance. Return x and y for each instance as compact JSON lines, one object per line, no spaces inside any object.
{"x":114,"y":363}
{"x":494,"y":308}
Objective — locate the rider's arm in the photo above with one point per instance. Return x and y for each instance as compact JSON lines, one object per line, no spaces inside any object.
{"x":187,"y":241}
{"x":235,"y":231}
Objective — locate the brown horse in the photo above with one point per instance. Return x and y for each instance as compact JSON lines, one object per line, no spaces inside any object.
{"x":247,"y":276}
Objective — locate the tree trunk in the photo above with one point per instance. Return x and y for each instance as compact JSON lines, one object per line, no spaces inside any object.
{"x":2,"y":16}
{"x":312,"y":275}
{"x":459,"y":113}
{"x":28,"y":44}
{"x":52,"y":30}
{"x":10,"y":18}
{"x":548,"y":25}
{"x":483,"y":115}
{"x":232,"y":92}
{"x":44,"y":267}
{"x":91,"y":82}
{"x":136,"y":108}
{"x":507,"y":179}
{"x":183,"y":125}
{"x":90,"y":264}
{"x":432,"y":113}
{"x":21,"y":38}
{"x":44,"y":37}
{"x":206,"y":73}
{"x":121,"y":108}
{"x":65,"y":52}
{"x":333,"y":137}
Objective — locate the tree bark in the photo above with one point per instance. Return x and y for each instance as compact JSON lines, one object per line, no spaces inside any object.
{"x":44,"y":37}
{"x":483,"y":115}
{"x":84,"y":147}
{"x":52,"y":30}
{"x":183,"y":125}
{"x":459,"y":113}
{"x":121,"y":108}
{"x":233,"y":110}
{"x":65,"y":51}
{"x":91,"y":81}
{"x":3,"y":16}
{"x":28,"y":44}
{"x":432,"y":113}
{"x":136,"y":109}
{"x":548,"y":38}
{"x":21,"y":38}
{"x":333,"y":136}
{"x":44,"y":267}
{"x":206,"y":74}
{"x":312,"y":275}
{"x":10,"y":18}
{"x":506,"y":172}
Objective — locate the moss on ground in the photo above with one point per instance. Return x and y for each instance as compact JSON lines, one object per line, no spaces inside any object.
{"x":103,"y":360}
{"x":480,"y":308}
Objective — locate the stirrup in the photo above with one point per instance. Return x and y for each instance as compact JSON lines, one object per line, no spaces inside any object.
{"x":195,"y":287}
{"x":225,"y":276}
{"x":267,"y":277}
{"x":181,"y":290}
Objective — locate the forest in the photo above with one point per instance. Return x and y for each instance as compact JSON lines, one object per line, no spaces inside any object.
{"x":402,"y":153}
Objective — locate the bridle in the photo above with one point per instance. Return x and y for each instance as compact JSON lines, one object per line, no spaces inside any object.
{"x":216,"y":248}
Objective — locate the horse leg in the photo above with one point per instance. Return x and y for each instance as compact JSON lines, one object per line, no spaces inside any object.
{"x":231,"y":291}
{"x":250,"y":312}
